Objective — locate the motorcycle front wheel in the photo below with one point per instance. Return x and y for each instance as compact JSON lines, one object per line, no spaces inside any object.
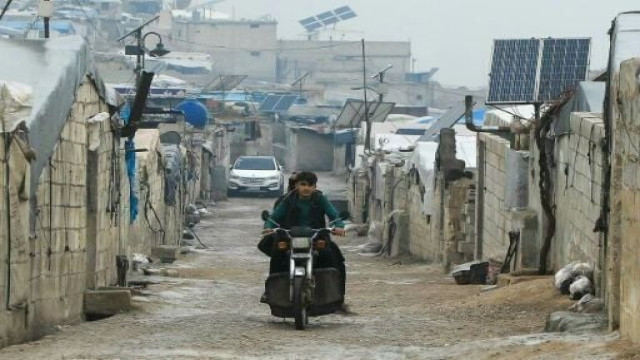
{"x":299,"y":306}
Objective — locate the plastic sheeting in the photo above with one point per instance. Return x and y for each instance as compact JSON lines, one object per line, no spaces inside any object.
{"x":423,"y":160}
{"x":130,"y":161}
{"x":589,"y":97}
{"x":467,"y":149}
{"x":625,"y":41}
{"x":516,"y":191}
{"x":173,"y":164}
{"x":54,"y":68}
{"x":16,"y":99}
{"x":392,"y":142}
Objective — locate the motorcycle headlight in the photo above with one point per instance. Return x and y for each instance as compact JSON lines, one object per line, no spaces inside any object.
{"x":300,"y":243}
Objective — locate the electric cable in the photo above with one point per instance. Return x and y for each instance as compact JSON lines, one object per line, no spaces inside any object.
{"x":5,"y":8}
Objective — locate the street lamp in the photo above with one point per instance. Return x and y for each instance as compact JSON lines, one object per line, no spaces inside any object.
{"x":139,"y":48}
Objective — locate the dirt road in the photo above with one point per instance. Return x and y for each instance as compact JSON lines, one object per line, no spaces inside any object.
{"x":405,"y":309}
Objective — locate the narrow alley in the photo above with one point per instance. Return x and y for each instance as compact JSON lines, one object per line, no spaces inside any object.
{"x":206,"y":306}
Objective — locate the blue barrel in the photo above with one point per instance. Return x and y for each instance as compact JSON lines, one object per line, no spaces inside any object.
{"x":195,"y":113}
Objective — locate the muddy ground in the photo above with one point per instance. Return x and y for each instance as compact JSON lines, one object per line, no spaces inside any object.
{"x":402,"y":309}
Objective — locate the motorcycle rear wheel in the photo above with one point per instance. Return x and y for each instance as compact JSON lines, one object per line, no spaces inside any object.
{"x":299,"y":306}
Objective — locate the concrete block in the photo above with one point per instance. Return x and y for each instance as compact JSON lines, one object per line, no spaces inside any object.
{"x":564,"y":321}
{"x":106,"y":302}
{"x":166,"y":253}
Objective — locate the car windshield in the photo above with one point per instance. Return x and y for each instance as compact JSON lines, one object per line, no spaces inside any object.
{"x":255,"y":164}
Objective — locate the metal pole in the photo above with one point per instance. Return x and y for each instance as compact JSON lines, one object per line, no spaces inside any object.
{"x":536,"y":108}
{"x":381,"y":94}
{"x":46,"y":25}
{"x":367,"y":141}
{"x":139,"y":56}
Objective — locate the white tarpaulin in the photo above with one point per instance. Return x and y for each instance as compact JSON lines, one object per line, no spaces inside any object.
{"x":390,"y":142}
{"x":466,"y":149}
{"x":424,"y":157}
{"x":15,"y":103}
{"x":423,"y":160}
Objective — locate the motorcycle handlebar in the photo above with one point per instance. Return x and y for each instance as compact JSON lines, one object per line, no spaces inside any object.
{"x":274,"y":230}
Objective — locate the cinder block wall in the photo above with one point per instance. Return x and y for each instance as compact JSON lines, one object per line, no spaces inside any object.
{"x":626,"y":161}
{"x":80,"y":226}
{"x":59,"y":277}
{"x":148,"y":231}
{"x":105,"y":213}
{"x":495,"y":240}
{"x":421,"y":239}
{"x":578,"y":182}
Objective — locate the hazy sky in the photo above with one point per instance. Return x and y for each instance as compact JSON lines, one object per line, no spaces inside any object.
{"x":454,"y":35}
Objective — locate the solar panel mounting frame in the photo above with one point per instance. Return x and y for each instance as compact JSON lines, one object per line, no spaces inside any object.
{"x":342,"y":13}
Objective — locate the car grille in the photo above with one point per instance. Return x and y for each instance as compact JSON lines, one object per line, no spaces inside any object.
{"x":252,"y":181}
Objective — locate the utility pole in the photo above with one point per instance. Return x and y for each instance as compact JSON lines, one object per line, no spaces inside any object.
{"x":367,"y":141}
{"x":45,"y":10}
{"x":380,"y":76}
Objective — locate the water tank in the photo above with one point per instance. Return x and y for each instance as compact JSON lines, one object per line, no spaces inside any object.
{"x":195,"y":113}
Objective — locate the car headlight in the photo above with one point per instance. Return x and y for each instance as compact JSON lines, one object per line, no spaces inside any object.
{"x":234,"y":177}
{"x":275,"y":177}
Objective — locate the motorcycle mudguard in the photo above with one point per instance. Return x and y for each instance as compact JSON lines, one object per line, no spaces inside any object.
{"x":328,"y":296}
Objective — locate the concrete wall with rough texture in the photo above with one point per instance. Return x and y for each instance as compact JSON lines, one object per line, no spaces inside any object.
{"x":104,"y":206}
{"x":311,"y":151}
{"x":578,"y":182}
{"x":626,"y":162}
{"x":61,"y":224}
{"x":81,"y":222}
{"x":494,"y":238}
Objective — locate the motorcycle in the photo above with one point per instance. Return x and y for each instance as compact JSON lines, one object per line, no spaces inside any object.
{"x":306,"y":290}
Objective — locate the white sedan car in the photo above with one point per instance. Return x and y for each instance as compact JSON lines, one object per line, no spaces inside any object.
{"x":256,"y":175}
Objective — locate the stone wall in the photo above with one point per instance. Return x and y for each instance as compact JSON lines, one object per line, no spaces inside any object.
{"x":626,"y":162}
{"x":423,"y":239}
{"x":492,"y":235}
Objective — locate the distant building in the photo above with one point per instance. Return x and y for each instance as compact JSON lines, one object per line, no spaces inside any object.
{"x":244,"y":47}
{"x":340,"y":61}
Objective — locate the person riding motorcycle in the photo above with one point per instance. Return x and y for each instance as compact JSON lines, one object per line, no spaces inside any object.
{"x":305,"y":206}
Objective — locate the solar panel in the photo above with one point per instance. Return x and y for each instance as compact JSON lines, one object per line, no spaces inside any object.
{"x":327,"y":18}
{"x":347,"y":16}
{"x":285,"y":102}
{"x":353,"y":113}
{"x":278,"y":103}
{"x":325,"y":15}
{"x":447,"y":120}
{"x":513,"y":71}
{"x":342,"y":10}
{"x":564,"y":65}
{"x":536,"y":70}
{"x":225,"y":82}
{"x":307,"y":21}
{"x":314,"y":26}
{"x":345,"y":13}
{"x":331,"y":20}
{"x":269,"y":103}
